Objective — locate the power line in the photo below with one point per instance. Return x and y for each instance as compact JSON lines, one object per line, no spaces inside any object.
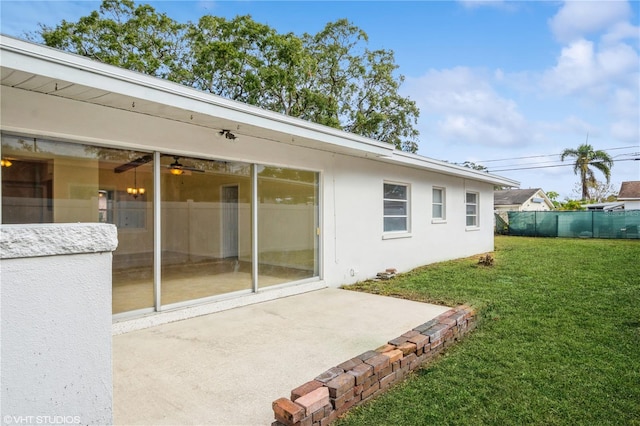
{"x":539,"y":163}
{"x":549,"y":155}
{"x":557,"y":165}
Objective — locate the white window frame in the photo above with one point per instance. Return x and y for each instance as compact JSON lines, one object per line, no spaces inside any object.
{"x":467,"y":204}
{"x":402,"y":232}
{"x":443,"y":204}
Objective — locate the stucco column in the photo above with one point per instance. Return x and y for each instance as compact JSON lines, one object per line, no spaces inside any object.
{"x":55,"y":291}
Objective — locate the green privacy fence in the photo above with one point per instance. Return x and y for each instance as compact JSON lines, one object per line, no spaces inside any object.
{"x":623,"y":224}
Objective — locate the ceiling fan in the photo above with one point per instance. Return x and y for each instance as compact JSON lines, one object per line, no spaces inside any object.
{"x":176,"y":168}
{"x":133,"y":164}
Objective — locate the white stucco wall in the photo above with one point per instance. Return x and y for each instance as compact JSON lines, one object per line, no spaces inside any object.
{"x":56,"y":323}
{"x":632,"y":205}
{"x":352,"y":243}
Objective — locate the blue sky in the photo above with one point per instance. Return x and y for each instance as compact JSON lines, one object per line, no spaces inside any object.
{"x":493,"y":80}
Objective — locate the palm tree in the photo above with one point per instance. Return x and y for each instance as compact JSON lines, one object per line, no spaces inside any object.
{"x":586,"y":158}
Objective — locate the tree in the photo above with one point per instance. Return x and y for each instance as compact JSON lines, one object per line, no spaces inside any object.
{"x":122,"y":34}
{"x":474,"y":166}
{"x":330,"y":78}
{"x":599,"y":192}
{"x":553,"y":197}
{"x":585,"y":158}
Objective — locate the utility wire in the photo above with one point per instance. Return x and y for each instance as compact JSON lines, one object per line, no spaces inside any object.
{"x":557,"y":165}
{"x":549,"y":155}
{"x":539,"y":163}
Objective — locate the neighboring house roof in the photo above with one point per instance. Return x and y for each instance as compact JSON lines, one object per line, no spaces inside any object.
{"x":38,"y":68}
{"x":510,"y":197}
{"x":629,"y":191}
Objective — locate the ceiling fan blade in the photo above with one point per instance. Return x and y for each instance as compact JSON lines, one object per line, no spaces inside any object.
{"x":133,"y":164}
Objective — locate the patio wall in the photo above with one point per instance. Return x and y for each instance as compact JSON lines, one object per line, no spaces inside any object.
{"x":56,"y":323}
{"x":354,"y":382}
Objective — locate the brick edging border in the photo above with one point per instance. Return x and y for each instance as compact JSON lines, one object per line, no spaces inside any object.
{"x":320,"y":401}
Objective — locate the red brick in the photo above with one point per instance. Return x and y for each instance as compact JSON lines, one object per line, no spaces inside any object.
{"x":459,"y":316}
{"x":348,"y":365}
{"x":347,"y":405}
{"x":397,"y":341}
{"x":287,"y":411}
{"x":361,"y":372}
{"x":305,"y":389}
{"x":436,"y":347}
{"x":370,"y":381}
{"x":415,"y":364}
{"x":329,"y":374}
{"x":340,"y":400}
{"x":407,"y":348}
{"x":385,"y":348}
{"x":384,"y":372}
{"x":318,"y":415}
{"x":427,"y":325}
{"x":436,"y":332}
{"x":451,"y":322}
{"x":367,"y":355}
{"x":393,"y":355}
{"x":387,"y":381}
{"x":411,"y":333}
{"x":378,"y":362}
{"x":395,"y":366}
{"x":445,"y":315}
{"x":341,"y":385}
{"x":357,"y":390}
{"x":314,"y":400}
{"x":407,"y":360}
{"x":333,"y":415}
{"x":419,"y":340}
{"x":367,"y":393}
{"x":307,"y":421}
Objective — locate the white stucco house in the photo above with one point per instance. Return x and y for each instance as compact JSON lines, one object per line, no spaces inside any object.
{"x":630,"y":195}
{"x":219,"y":202}
{"x":521,"y":200}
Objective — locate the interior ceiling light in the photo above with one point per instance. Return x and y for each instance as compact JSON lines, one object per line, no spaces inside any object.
{"x":175,"y":168}
{"x":135,"y":190}
{"x":227,"y":134}
{"x":5,"y":163}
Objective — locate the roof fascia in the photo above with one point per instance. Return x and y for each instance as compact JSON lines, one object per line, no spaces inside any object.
{"x":52,"y":63}
{"x":421,"y":162}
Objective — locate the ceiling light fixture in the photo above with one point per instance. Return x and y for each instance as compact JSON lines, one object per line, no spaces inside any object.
{"x":135,"y":190}
{"x":175,"y":168}
{"x":227,"y":134}
{"x":5,"y":163}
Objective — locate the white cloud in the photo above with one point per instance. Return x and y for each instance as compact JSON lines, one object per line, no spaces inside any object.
{"x":577,"y":19}
{"x":467,"y":109}
{"x":621,"y":31}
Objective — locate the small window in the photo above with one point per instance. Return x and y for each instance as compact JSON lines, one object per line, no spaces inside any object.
{"x":472,"y":209}
{"x":438,"y":210}
{"x":396,"y":207}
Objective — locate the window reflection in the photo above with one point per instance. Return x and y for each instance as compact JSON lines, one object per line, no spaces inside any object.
{"x":287,"y":225}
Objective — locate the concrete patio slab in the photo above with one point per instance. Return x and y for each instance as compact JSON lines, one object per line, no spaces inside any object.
{"x":226,"y":368}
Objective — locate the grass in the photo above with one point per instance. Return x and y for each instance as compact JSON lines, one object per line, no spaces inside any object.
{"x":559,"y":341}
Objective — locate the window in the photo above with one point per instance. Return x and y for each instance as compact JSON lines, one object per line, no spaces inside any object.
{"x":472,"y":209}
{"x":438,"y":204}
{"x":396,"y":207}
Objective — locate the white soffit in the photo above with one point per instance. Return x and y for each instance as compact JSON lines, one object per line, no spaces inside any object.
{"x":42,"y":69}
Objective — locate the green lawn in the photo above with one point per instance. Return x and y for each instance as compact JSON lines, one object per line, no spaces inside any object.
{"x":559,"y":341}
